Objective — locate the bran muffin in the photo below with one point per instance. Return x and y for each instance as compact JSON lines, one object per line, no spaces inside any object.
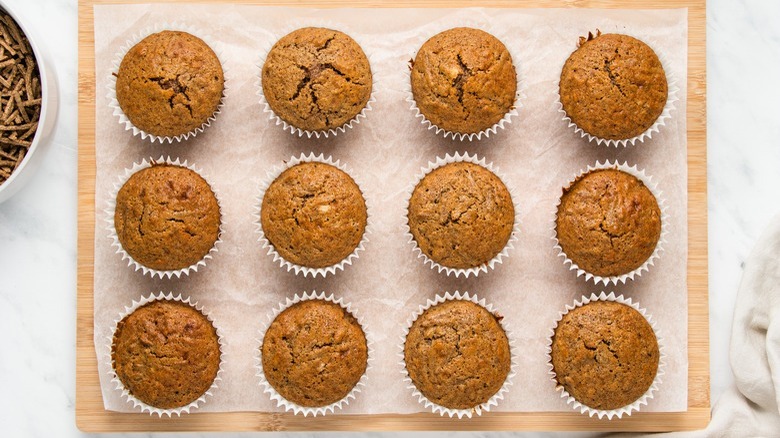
{"x":166,"y":354}
{"x":314,"y":353}
{"x":169,"y":84}
{"x":605,"y":354}
{"x":316,"y":79}
{"x":167,"y":217}
{"x":314,"y":215}
{"x":608,"y":222}
{"x":461,"y":215}
{"x":457,"y":354}
{"x":463,"y":80}
{"x":613,"y":86}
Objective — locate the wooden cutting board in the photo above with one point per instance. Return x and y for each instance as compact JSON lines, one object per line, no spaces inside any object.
{"x":91,"y":416}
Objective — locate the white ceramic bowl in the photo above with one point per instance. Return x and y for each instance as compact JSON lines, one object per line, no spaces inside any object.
{"x":49,"y":106}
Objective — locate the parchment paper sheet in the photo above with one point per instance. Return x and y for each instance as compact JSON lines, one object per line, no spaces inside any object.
{"x":538,"y":154}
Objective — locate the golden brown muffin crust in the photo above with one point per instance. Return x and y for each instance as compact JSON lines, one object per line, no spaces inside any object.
{"x":461,"y":215}
{"x":314,"y":353}
{"x":457,"y":354}
{"x":316,"y":79}
{"x":608,"y":222}
{"x":613,"y":87}
{"x":166,"y":353}
{"x":605,"y":354}
{"x":463,"y":80}
{"x":170,"y":83}
{"x":167,"y":217}
{"x":314,"y":214}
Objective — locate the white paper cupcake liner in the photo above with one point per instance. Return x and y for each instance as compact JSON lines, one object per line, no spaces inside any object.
{"x":298,"y":131}
{"x":519,"y":93}
{"x":111,"y":209}
{"x":492,"y":401}
{"x":135,"y":39}
{"x":625,"y":410}
{"x":277,"y":258}
{"x":653,"y":187}
{"x":161,"y":296}
{"x":489,"y":265}
{"x":671,"y":99}
{"x":287,"y":404}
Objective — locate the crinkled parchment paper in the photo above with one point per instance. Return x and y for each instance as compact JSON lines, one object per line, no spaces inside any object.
{"x":538,"y":154}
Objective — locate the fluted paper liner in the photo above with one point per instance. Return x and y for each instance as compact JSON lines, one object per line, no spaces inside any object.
{"x":653,"y":187}
{"x":135,"y":39}
{"x":489,"y":265}
{"x":642,"y":400}
{"x":277,"y":258}
{"x":287,"y":404}
{"x":293,"y":129}
{"x":493,"y":400}
{"x":111,"y":228}
{"x":671,"y":99}
{"x":161,"y":296}
{"x":519,"y":93}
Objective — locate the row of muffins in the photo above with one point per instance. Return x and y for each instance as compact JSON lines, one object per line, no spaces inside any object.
{"x":318,"y":81}
{"x":313,"y":218}
{"x":457,"y":356}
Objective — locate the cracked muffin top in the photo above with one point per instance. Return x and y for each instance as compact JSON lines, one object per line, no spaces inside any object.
{"x":461,"y":215}
{"x":167,"y":217}
{"x":457,"y":354}
{"x":316,"y":79}
{"x":463,"y":80}
{"x":314,"y":353}
{"x":605,"y":354}
{"x":613,"y":86}
{"x":169,"y":84}
{"x":166,"y":354}
{"x":608,"y":222}
{"x":314,"y":215}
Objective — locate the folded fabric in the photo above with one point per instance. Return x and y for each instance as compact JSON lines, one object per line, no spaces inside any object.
{"x":755,"y":337}
{"x":755,"y":344}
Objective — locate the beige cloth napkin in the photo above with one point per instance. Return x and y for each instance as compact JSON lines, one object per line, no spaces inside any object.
{"x":750,"y":408}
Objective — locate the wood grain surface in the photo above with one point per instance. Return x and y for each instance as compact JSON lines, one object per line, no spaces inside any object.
{"x":91,"y":417}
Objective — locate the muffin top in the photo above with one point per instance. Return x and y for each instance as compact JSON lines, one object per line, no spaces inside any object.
{"x":314,"y":353}
{"x":605,"y":354}
{"x":463,"y":80}
{"x":166,"y":354}
{"x":314,"y":215}
{"x":167,"y":217}
{"x":457,"y":354}
{"x":613,"y":86}
{"x":169,"y":84}
{"x":461,"y":215}
{"x":316,"y":79}
{"x":608,"y":222}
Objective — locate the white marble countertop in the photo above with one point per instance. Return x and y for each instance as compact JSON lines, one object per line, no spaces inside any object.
{"x":38,"y":225}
